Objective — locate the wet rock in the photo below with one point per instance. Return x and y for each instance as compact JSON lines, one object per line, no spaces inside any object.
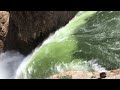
{"x":102,"y":75}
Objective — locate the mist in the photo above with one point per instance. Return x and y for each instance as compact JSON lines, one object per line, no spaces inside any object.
{"x":9,"y":62}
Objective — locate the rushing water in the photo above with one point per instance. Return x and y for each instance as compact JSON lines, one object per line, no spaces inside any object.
{"x":89,"y":42}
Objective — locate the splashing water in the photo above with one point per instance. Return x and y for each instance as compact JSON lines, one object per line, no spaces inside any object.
{"x":91,"y":65}
{"x":9,"y":62}
{"x":89,"y":42}
{"x":56,"y":54}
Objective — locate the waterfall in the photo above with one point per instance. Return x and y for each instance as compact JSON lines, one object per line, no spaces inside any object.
{"x":89,"y":42}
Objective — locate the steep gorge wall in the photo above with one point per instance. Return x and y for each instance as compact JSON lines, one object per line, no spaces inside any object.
{"x":27,"y":29}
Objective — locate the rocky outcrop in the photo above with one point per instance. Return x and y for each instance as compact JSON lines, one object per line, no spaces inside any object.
{"x":113,"y":74}
{"x":27,"y":29}
{"x":4,"y":21}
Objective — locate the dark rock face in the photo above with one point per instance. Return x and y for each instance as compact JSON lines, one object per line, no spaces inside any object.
{"x":27,"y":29}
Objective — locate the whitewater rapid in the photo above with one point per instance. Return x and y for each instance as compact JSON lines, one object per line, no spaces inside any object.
{"x":89,"y":42}
{"x":12,"y":62}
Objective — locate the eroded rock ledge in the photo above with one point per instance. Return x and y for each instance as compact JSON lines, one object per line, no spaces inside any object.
{"x":113,"y":74}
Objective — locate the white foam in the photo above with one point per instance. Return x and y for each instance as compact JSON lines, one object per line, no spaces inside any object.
{"x":91,"y":65}
{"x":96,"y":67}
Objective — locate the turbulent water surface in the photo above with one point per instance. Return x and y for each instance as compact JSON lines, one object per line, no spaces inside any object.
{"x":89,"y":42}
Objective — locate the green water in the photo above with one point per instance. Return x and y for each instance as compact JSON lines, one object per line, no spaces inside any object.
{"x":90,"y":35}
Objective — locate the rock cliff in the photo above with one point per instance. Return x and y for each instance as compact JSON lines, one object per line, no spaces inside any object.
{"x":27,"y":29}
